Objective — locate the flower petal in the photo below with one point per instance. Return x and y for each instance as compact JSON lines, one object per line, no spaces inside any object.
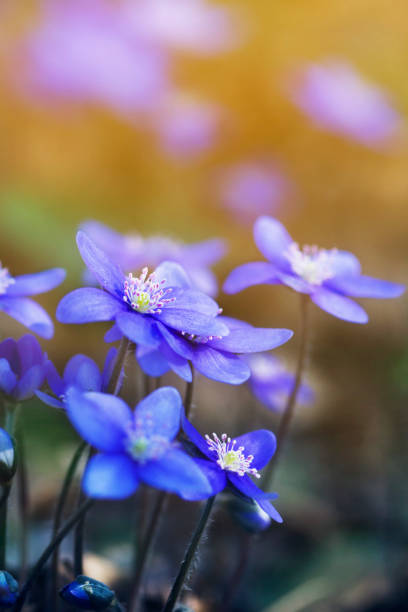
{"x":139,"y":328}
{"x":252,"y":340}
{"x":192,"y":322}
{"x":54,"y":380}
{"x":8,"y":350}
{"x":108,"y":274}
{"x":245,"y":485}
{"x":110,"y":477}
{"x":32,"y":284}
{"x":160,"y":413}
{"x":30,"y":352}
{"x":214,"y":474}
{"x":102,"y":420}
{"x":365,"y":287}
{"x":29,"y":382}
{"x":49,"y":400}
{"x":220,"y":366}
{"x":344,"y":263}
{"x":152,"y":361}
{"x":190,"y":299}
{"x":173,"y":274}
{"x":249,"y":274}
{"x":272,"y":240}
{"x":176,"y":342}
{"x":113,"y":334}
{"x":178,"y":473}
{"x":87,"y":305}
{"x":29,"y":313}
{"x":205,"y":253}
{"x":82,"y":372}
{"x":8,"y":379}
{"x":179,"y":365}
{"x":339,"y":306}
{"x":261,"y":444}
{"x":196,"y":438}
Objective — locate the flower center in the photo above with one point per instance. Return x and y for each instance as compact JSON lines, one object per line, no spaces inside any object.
{"x":5,"y":280}
{"x":312,"y":264}
{"x":143,"y":448}
{"x":231,"y":458}
{"x":145,"y":294}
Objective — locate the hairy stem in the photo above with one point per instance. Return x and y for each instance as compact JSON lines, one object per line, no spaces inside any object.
{"x":188,"y":398}
{"x":114,"y":383}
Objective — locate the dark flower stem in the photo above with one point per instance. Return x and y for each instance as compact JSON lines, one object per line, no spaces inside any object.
{"x":65,"y":529}
{"x":145,"y":548}
{"x":66,"y":485}
{"x":289,"y":410}
{"x":188,"y":398}
{"x":3,"y":524}
{"x":246,"y":543}
{"x":189,"y":556}
{"x":114,"y":383}
{"x":23,"y":501}
{"x":79,"y":532}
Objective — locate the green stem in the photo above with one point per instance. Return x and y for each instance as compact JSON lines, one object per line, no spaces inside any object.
{"x":188,"y":398}
{"x":189,"y":556}
{"x":62,"y":498}
{"x":65,"y":529}
{"x":145,"y":548}
{"x":114,"y":383}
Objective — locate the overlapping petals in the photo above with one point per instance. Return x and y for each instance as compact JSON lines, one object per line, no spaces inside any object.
{"x":23,"y":366}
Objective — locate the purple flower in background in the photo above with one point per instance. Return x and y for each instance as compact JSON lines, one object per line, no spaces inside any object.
{"x":14,"y":300}
{"x":135,"y":446}
{"x":337,"y":98}
{"x":132,"y":252}
{"x":232,"y":462}
{"x":271,"y":383}
{"x":251,"y":189}
{"x":80,"y":372}
{"x":327,"y":276}
{"x":23,"y":366}
{"x":139,"y":304}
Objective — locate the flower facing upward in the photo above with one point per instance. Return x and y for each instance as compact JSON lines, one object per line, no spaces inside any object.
{"x":329,"y":277}
{"x":23,"y":366}
{"x":145,"y":294}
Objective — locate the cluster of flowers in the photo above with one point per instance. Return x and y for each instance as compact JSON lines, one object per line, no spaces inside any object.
{"x":171,"y":325}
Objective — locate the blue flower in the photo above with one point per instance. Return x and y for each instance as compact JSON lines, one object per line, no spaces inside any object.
{"x":80,"y":372}
{"x":23,"y":367}
{"x":232,"y":461}
{"x":329,"y":277}
{"x":136,"y":304}
{"x":132,"y":251}
{"x":271,"y":383}
{"x":14,"y":300}
{"x":138,"y":446}
{"x":8,"y":590}
{"x":88,"y":594}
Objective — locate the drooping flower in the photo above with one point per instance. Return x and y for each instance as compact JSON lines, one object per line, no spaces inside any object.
{"x":134,"y":446}
{"x":231,"y":461}
{"x":81,"y":372}
{"x":132,"y":252}
{"x":271,"y":383}
{"x":329,"y":277}
{"x":89,"y":594}
{"x":23,"y":366}
{"x":138,"y":304}
{"x":337,"y":98}
{"x":14,"y":300}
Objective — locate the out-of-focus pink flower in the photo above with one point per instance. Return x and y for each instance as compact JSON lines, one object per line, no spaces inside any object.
{"x":253,"y":188}
{"x":337,"y":98}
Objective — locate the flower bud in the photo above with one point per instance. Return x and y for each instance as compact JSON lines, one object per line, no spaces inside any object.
{"x":8,"y":590}
{"x":248,"y":514}
{"x":88,"y":594}
{"x":8,"y":458}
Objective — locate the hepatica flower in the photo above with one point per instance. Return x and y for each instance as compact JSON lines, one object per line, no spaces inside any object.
{"x":329,"y":277}
{"x":135,"y":446}
{"x":272,"y":384}
{"x":80,"y":372}
{"x":232,"y":461}
{"x":23,"y":367}
{"x":132,"y":251}
{"x":14,"y":300}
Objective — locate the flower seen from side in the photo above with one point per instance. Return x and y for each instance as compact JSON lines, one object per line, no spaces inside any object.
{"x":23,"y":366}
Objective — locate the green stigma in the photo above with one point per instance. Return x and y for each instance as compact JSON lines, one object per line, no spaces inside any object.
{"x":142,"y":302}
{"x":139,"y":447}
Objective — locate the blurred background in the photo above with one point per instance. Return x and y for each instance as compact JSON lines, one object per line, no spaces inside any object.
{"x":187,"y":119}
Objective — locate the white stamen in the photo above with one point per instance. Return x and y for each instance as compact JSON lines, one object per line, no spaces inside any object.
{"x":230,"y":458}
{"x":5,"y":280}
{"x":311,"y":263}
{"x":145,"y":294}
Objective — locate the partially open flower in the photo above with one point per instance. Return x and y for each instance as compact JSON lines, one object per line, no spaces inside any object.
{"x":88,"y":594}
{"x":8,"y":590}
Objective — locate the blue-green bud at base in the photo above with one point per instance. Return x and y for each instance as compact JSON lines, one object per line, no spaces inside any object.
{"x":8,"y":590}
{"x":8,"y":458}
{"x":88,"y":594}
{"x":248,"y":514}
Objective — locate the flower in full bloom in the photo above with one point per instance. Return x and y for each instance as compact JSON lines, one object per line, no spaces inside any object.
{"x":23,"y":367}
{"x":134,"y":446}
{"x":132,"y":251}
{"x":337,"y":98}
{"x":231,"y":461}
{"x":271,"y":383}
{"x":14,"y":300}
{"x":138,"y":304}
{"x":80,"y":372}
{"x":329,"y":277}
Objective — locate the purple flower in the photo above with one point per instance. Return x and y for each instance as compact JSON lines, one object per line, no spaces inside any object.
{"x":14,"y":300}
{"x":336,"y":98}
{"x":80,"y":372}
{"x":232,"y":462}
{"x":132,"y":251}
{"x":135,"y":446}
{"x":327,"y":276}
{"x":216,"y":357}
{"x":140,"y":306}
{"x":23,"y":367}
{"x":271,"y":383}
{"x":252,"y":188}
